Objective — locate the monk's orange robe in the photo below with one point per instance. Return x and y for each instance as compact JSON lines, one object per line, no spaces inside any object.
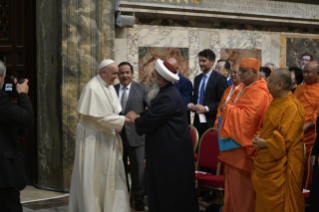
{"x":241,"y":122}
{"x":278,"y":170}
{"x":230,"y":101}
{"x":308,"y":96}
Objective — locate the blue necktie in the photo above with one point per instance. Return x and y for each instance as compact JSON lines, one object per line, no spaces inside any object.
{"x":202,"y":90}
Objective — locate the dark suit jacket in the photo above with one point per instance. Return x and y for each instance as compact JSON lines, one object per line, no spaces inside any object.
{"x":185,"y":87}
{"x":214,"y":91}
{"x":137,"y":102}
{"x":13,"y":118}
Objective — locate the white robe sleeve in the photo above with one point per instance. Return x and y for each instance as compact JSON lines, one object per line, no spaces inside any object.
{"x":111,"y":121}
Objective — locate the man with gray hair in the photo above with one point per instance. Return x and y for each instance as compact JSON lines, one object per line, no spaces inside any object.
{"x":271,"y":66}
{"x":98,"y":180}
{"x":14,"y":118}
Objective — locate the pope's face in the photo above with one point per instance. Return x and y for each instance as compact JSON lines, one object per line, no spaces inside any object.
{"x":110,"y":73}
{"x":125,"y":75}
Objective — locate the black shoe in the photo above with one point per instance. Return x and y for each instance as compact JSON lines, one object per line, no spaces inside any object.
{"x":139,"y":206}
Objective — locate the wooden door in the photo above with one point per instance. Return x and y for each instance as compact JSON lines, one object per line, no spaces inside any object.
{"x":18,"y":51}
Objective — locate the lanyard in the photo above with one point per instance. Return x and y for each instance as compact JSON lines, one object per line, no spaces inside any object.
{"x":241,"y":92}
{"x":232,"y":91}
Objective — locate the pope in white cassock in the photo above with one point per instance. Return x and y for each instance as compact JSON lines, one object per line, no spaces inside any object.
{"x":98,"y":180}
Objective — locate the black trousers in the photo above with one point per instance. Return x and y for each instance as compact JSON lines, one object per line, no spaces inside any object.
{"x":10,"y":200}
{"x":136,"y":155}
{"x":314,"y":192}
{"x":201,"y":127}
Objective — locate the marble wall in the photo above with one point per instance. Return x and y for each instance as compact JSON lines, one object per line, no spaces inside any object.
{"x":77,"y":34}
{"x":149,"y":55}
{"x":197,"y":39}
{"x":292,"y":46}
{"x":234,"y":56}
{"x":282,"y":49}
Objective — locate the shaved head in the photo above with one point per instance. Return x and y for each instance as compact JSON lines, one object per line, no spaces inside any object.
{"x":310,"y":73}
{"x":283,"y":75}
{"x":279,"y":82}
{"x":173,"y":62}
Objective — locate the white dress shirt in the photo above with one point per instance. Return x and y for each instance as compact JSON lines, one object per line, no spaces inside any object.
{"x":127,"y":90}
{"x":200,"y":85}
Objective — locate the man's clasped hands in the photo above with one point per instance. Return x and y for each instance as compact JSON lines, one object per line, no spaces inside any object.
{"x":129,"y":118}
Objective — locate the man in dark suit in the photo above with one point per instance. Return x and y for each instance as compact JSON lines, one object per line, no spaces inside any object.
{"x":13,"y":119}
{"x":169,"y":147}
{"x":223,"y":67}
{"x":183,"y":85}
{"x":133,"y":97}
{"x":209,"y":88}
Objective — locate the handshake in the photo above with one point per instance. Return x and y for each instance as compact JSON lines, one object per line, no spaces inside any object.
{"x":130,"y":117}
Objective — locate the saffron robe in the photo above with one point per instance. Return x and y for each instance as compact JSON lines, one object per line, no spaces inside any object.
{"x":98,"y":179}
{"x":308,"y":96}
{"x":278,"y":170}
{"x":230,"y":101}
{"x":241,"y":122}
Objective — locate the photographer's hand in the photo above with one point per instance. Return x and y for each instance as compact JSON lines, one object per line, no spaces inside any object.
{"x":23,"y":88}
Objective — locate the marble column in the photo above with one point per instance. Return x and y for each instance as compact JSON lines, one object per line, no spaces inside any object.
{"x":73,"y":38}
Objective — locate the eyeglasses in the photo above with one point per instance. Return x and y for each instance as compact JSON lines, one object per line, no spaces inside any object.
{"x":305,"y":60}
{"x":234,"y":72}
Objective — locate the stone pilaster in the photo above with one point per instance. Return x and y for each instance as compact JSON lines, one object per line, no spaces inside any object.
{"x":76,"y":35}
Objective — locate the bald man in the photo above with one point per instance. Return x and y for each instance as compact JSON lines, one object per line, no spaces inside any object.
{"x":308,"y":95}
{"x":184,"y":85}
{"x":279,"y":159}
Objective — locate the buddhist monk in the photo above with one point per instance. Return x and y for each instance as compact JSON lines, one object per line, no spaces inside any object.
{"x":241,"y":122}
{"x":308,"y":96}
{"x":279,"y":159}
{"x":231,"y":92}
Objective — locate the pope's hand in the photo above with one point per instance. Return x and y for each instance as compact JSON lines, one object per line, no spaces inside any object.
{"x":118,"y":131}
{"x":127,"y":120}
{"x":132,"y":116}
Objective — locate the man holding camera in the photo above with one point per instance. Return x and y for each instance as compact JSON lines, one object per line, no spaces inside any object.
{"x":14,"y":118}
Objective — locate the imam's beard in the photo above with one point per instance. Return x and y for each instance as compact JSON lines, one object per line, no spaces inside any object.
{"x":154,"y":90}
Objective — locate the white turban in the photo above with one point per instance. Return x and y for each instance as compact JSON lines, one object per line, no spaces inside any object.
{"x":166,"y":70}
{"x":106,"y":63}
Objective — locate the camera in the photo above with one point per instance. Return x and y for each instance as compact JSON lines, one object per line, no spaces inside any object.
{"x":9,"y":86}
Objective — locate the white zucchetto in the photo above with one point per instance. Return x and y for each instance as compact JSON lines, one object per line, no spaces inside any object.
{"x":106,"y":63}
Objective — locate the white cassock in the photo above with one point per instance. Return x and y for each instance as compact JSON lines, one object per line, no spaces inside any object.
{"x":98,"y":180}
